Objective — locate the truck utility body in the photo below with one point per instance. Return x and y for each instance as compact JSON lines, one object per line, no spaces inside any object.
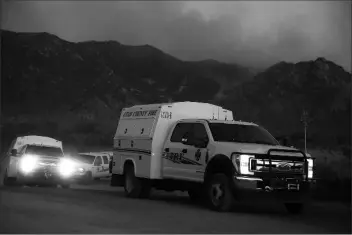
{"x":197,"y":147}
{"x":37,"y":160}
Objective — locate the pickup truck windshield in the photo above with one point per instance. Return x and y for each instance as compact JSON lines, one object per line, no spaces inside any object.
{"x":89,"y":159}
{"x":224,"y":132}
{"x":44,"y":151}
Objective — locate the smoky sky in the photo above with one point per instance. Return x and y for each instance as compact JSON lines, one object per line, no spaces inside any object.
{"x":256,"y":34}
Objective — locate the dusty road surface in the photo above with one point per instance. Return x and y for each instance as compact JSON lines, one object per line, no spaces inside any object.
{"x":101,"y":209}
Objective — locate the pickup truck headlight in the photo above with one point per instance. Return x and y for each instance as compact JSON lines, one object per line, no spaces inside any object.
{"x":67,"y":167}
{"x":80,"y":170}
{"x":28,"y":163}
{"x":242,"y":162}
{"x":310,"y":168}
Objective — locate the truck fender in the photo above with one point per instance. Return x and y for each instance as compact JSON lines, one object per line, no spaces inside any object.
{"x":129,"y":161}
{"x":219,"y":164}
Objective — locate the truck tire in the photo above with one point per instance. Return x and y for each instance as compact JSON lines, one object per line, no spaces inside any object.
{"x":9,"y":181}
{"x":132,"y":185}
{"x":294,"y":208}
{"x":219,"y":193}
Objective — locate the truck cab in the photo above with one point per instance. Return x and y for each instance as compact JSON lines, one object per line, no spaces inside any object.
{"x":211,"y":156}
{"x":92,"y":165}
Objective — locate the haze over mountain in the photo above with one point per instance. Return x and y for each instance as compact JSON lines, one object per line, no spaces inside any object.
{"x":250,"y":33}
{"x":75,"y":91}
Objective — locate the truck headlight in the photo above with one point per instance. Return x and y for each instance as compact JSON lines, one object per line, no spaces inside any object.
{"x":28,"y":163}
{"x":310,"y":168}
{"x":242,"y":161}
{"x":80,"y":170}
{"x":66,"y":167}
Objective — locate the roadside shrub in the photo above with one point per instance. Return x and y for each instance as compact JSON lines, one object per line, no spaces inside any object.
{"x":333,"y":171}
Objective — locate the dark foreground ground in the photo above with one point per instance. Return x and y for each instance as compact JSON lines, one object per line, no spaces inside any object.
{"x":101,"y":209}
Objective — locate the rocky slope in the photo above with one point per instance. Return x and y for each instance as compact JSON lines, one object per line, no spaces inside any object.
{"x":75,"y":90}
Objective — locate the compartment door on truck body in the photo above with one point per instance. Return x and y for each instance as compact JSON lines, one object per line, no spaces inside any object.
{"x":182,"y":161}
{"x":133,"y":141}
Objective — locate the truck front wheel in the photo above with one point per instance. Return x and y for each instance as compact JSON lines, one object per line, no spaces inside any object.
{"x":219,"y":194}
{"x":132,"y":186}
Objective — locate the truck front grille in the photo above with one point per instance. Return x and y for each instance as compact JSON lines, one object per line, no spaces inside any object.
{"x":284,"y":162}
{"x":278,"y":166}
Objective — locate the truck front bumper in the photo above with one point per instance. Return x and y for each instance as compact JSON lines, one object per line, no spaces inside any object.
{"x":42,"y":177}
{"x":286,"y":189}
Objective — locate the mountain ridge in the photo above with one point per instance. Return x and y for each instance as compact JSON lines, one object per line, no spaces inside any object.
{"x":69,"y":89}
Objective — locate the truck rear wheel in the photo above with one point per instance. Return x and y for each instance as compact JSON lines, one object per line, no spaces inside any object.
{"x":132,"y":185}
{"x":219,"y":193}
{"x":294,"y":208}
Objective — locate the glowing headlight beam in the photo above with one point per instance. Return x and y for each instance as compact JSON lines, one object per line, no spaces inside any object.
{"x":242,"y":161}
{"x":67,"y":167}
{"x":28,"y":163}
{"x":310,"y":168}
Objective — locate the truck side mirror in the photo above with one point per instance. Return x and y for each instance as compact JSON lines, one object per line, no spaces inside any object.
{"x":14,"y":152}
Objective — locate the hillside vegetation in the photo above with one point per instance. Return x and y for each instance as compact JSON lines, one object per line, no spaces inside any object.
{"x":69,"y":90}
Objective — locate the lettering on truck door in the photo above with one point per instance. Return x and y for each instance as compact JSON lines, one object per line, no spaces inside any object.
{"x":184,"y":161}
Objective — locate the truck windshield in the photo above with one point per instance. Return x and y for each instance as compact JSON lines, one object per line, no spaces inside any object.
{"x":89,"y":159}
{"x":44,"y":151}
{"x":224,"y":132}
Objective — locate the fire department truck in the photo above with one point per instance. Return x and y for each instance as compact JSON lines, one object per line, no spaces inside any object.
{"x":201,"y":149}
{"x":37,"y":160}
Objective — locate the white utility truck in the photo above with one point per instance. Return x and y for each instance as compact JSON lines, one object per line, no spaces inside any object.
{"x":200,"y":148}
{"x":37,"y":160}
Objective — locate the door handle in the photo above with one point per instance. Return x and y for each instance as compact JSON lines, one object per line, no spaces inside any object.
{"x":167,"y":150}
{"x":184,"y":150}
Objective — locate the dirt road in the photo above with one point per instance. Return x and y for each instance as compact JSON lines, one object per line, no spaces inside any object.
{"x":101,"y":209}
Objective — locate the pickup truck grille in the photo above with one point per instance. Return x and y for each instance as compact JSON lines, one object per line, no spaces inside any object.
{"x":47,"y":164}
{"x":287,"y":162}
{"x":278,"y":166}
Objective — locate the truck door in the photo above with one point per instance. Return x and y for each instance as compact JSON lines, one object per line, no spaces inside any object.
{"x":197,"y":151}
{"x":97,"y":167}
{"x":14,"y":160}
{"x":183,"y":161}
{"x":105,"y":166}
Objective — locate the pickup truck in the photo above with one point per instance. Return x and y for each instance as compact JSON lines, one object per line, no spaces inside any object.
{"x":201,"y":149}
